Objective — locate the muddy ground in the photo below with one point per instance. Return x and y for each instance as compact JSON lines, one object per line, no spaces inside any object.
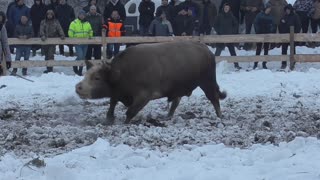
{"x":61,"y":127}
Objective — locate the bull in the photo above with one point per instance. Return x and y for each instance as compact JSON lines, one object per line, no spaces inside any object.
{"x":151,"y":71}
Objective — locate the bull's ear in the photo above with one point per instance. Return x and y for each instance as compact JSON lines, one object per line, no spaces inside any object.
{"x":88,"y":64}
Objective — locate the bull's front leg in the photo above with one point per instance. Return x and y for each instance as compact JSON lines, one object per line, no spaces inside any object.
{"x":110,"y":113}
{"x":174,"y":105}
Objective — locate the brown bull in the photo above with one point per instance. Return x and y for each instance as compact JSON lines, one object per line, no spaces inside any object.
{"x":151,"y":71}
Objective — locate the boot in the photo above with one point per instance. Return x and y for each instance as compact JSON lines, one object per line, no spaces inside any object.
{"x":24,"y":71}
{"x":236,"y":65}
{"x":14,"y":72}
{"x":255,"y":65}
{"x":283,"y":65}
{"x":264,"y":65}
{"x":49,"y":69}
{"x":75,"y":69}
{"x":80,"y":70}
{"x":71,"y":53}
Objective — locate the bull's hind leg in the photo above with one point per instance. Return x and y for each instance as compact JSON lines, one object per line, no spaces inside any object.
{"x":174,"y":105}
{"x":213,"y":95}
{"x":138,"y":103}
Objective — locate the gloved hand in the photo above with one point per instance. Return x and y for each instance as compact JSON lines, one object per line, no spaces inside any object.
{"x":43,"y":38}
{"x":8,"y":64}
{"x":62,"y":37}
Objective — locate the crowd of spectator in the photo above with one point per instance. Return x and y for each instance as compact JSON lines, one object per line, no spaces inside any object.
{"x":174,"y":18}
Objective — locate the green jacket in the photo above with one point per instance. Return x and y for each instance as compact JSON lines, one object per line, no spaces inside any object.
{"x":78,"y":29}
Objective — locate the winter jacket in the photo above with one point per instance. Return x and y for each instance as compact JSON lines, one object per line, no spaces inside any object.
{"x":189,"y":5}
{"x":110,"y":7}
{"x":50,"y":27}
{"x":87,"y":7}
{"x":16,"y":12}
{"x":80,"y":29}
{"x":115,"y":28}
{"x":146,"y":10}
{"x":183,"y":24}
{"x":52,"y":5}
{"x":159,"y":27}
{"x":65,"y":15}
{"x":37,"y":14}
{"x":168,"y":10}
{"x":304,"y":6}
{"x":23,"y":30}
{"x":226,"y":23}
{"x":208,"y":13}
{"x":277,"y":9}
{"x":96,"y":23}
{"x":4,"y":45}
{"x":264,"y":23}
{"x":288,"y":20}
{"x":235,"y":7}
{"x":249,"y":14}
{"x":316,"y":13}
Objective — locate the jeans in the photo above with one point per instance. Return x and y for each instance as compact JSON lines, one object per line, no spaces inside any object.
{"x":23,"y":51}
{"x":112,"y":50}
{"x":81,"y":51}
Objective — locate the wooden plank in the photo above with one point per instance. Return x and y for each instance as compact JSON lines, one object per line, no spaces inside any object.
{"x":268,"y":58}
{"x":55,"y":41}
{"x":303,"y":58}
{"x":64,"y":63}
{"x":307,"y":37}
{"x":273,"y":38}
{"x":292,"y":47}
{"x":104,"y":44}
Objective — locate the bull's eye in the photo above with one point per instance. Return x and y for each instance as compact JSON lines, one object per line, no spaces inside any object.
{"x":97,"y":78}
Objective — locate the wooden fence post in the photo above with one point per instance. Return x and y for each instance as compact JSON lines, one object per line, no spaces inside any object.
{"x":292,"y":48}
{"x":104,"y":45}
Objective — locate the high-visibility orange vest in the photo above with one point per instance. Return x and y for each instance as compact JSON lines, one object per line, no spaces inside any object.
{"x":114,"y":29}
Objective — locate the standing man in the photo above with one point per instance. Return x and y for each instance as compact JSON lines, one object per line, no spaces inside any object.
{"x":263,"y":24}
{"x":37,"y":14}
{"x":4,"y":45}
{"x":96,"y":21}
{"x":80,"y":28}
{"x":23,"y":31}
{"x":65,"y":15}
{"x":225,"y":24}
{"x":208,"y":13}
{"x":251,"y":9}
{"x":289,"y":19}
{"x":90,"y":3}
{"x":114,"y":5}
{"x":49,"y":28}
{"x":146,"y":10}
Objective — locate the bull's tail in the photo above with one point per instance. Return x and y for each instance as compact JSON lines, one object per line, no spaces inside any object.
{"x":222,"y":95}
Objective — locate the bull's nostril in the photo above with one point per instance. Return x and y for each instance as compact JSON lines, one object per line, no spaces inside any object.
{"x":78,"y":87}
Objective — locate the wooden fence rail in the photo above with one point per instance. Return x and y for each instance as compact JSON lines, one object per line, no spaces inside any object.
{"x":240,"y":38}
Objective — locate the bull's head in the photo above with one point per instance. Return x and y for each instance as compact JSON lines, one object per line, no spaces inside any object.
{"x":96,"y":83}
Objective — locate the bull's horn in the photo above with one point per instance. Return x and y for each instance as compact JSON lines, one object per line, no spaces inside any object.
{"x":88,"y":64}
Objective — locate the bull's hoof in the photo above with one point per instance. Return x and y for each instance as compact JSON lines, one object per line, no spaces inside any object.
{"x":127,"y":121}
{"x":109,"y":121}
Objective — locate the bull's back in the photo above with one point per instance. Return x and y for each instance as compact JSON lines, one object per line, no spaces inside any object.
{"x":167,"y":67}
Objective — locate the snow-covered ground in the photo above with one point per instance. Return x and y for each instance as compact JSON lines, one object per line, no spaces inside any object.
{"x":270,"y":129}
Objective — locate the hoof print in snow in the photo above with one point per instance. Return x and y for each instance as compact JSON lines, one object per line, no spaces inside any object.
{"x":57,"y":143}
{"x":154,"y":122}
{"x":267,"y":124}
{"x":188,"y":115}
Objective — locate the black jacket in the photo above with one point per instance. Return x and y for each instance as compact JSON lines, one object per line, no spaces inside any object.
{"x":183,"y":23}
{"x":65,"y":15}
{"x":288,"y":20}
{"x":23,"y":30}
{"x":37,"y":14}
{"x":110,"y":7}
{"x":87,"y":8}
{"x":226,"y":23}
{"x":146,"y":10}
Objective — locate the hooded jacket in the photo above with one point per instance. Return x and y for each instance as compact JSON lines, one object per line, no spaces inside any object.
{"x":288,"y":20}
{"x":51,"y":27}
{"x":226,"y":23}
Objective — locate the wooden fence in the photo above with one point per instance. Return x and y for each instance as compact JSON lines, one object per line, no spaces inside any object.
{"x":240,"y":38}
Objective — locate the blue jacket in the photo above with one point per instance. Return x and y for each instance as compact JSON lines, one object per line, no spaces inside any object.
{"x":264,"y":23}
{"x":16,"y":12}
